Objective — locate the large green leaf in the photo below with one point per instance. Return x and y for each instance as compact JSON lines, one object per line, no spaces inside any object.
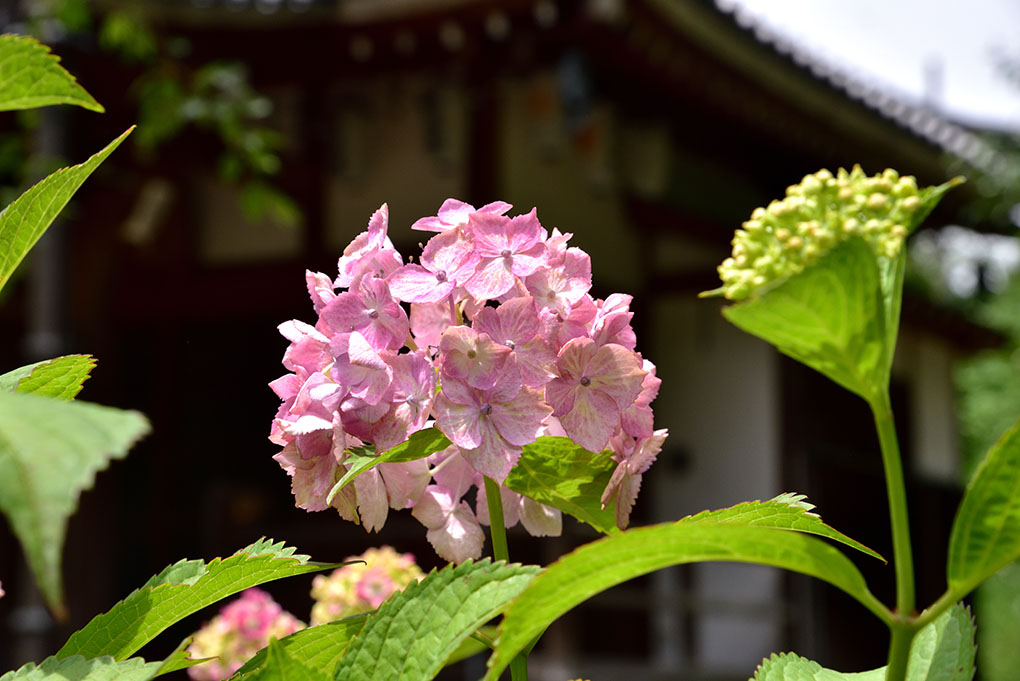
{"x":50,"y":450}
{"x":31,"y":77}
{"x":416,"y":631}
{"x":281,"y":665}
{"x":422,"y":443}
{"x":79,"y":669}
{"x":830,"y":317}
{"x":25,"y":220}
{"x":180,"y":590}
{"x":942,"y":651}
{"x":986,"y":532}
{"x":60,"y":377}
{"x":319,"y":647}
{"x":787,"y":511}
{"x":602,"y":564}
{"x":561,"y":474}
{"x":791,"y":667}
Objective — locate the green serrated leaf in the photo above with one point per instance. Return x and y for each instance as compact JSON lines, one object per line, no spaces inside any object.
{"x":561,"y":474}
{"x":986,"y":531}
{"x":602,"y":564}
{"x":79,"y":669}
{"x":830,"y":317}
{"x":25,"y":220}
{"x":788,"y":511}
{"x":791,"y":667}
{"x":320,"y":647}
{"x":60,"y":377}
{"x":942,"y":651}
{"x":147,"y":611}
{"x":179,"y":659}
{"x":416,"y":630}
{"x":422,"y":443}
{"x":50,"y":450}
{"x":282,"y":666}
{"x":31,"y":77}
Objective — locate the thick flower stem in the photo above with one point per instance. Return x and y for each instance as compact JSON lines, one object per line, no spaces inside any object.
{"x":902,"y":630}
{"x":500,"y":551}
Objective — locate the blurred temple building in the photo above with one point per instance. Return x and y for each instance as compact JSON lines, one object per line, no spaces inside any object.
{"x":650,"y":129}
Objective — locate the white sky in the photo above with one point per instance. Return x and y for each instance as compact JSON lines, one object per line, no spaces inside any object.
{"x":891,"y":41}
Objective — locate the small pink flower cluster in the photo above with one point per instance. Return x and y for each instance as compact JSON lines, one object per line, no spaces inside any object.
{"x":499,"y":317}
{"x":360,"y":587}
{"x":242,"y":628}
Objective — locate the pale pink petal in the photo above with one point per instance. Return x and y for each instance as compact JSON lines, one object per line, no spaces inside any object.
{"x":428,"y":322}
{"x":320,"y":289}
{"x":373,"y":504}
{"x":592,"y":420}
{"x":452,"y":472}
{"x":415,"y":284}
{"x":616,"y":372}
{"x":520,"y":421}
{"x":458,"y":422}
{"x":492,"y":278}
{"x":460,"y":538}
{"x":540,"y":520}
{"x":494,"y":457}
{"x":405,"y":481}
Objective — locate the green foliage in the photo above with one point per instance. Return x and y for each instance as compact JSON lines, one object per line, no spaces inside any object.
{"x":319,"y":647}
{"x":416,"y":631}
{"x":61,"y":378}
{"x":997,"y":603}
{"x":602,"y":564}
{"x":561,"y":474}
{"x":77,"y":668}
{"x":986,"y":532}
{"x":25,"y":220}
{"x":830,"y":317}
{"x":421,"y":444}
{"x":50,"y":451}
{"x":281,"y":665}
{"x":942,"y":651}
{"x":191,"y":586}
{"x":32,"y":77}
{"x":785,"y":512}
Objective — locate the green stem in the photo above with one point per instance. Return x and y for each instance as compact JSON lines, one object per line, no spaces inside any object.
{"x":899,"y":651}
{"x":497,"y":528}
{"x":903,"y":561}
{"x":500,"y":551}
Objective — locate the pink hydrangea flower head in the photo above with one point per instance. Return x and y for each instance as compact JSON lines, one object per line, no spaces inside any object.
{"x":595,"y":384}
{"x":454,"y":214}
{"x":241,"y":629}
{"x":554,"y":288}
{"x":612,"y":321}
{"x":320,"y":289}
{"x":506,"y":248}
{"x":362,"y":586}
{"x":410,"y":396}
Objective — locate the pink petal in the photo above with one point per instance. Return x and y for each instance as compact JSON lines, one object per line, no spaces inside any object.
{"x":373,"y":504}
{"x":540,"y":520}
{"x":457,"y":421}
{"x":520,"y":421}
{"x":494,"y":457}
{"x":593,"y":419}
{"x":509,"y":500}
{"x":415,"y":284}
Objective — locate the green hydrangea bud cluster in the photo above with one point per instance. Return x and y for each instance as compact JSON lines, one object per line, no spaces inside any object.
{"x":815,"y":215}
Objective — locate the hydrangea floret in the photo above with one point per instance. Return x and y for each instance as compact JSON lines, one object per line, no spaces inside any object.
{"x":493,"y":338}
{"x":363,"y":585}
{"x":242,"y":628}
{"x":823,"y":210}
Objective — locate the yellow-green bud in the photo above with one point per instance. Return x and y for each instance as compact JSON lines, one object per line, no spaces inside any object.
{"x":823,"y":210}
